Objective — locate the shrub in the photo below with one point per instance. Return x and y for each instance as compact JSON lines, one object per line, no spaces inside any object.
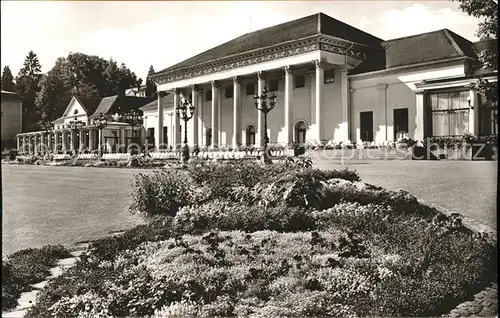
{"x":27,"y":267}
{"x":161,"y":193}
{"x":224,"y":215}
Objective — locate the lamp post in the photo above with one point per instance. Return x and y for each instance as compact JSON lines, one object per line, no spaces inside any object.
{"x":47,"y":126}
{"x":132,"y":118}
{"x":261,"y":103}
{"x":75,"y":125}
{"x":185,"y":111}
{"x":100,"y":122}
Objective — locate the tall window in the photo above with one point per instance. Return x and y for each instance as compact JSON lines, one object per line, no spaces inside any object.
{"x":228,"y":91}
{"x":208,"y":95}
{"x":450,"y":113}
{"x":273,"y":85}
{"x":300,"y":81}
{"x":329,"y":76}
{"x":250,"y":88}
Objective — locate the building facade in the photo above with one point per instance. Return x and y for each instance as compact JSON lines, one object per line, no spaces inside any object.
{"x":333,"y":83}
{"x":115,"y":137}
{"x":12,"y":118}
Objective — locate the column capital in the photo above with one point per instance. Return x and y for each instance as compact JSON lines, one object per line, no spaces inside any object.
{"x":419,"y":92}
{"x":215,"y":84}
{"x":195,"y":87}
{"x":260,"y":75}
{"x":288,"y":70}
{"x":382,"y":86}
{"x":236,"y":80}
{"x":319,"y":63}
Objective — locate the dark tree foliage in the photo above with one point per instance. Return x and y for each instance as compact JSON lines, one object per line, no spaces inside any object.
{"x":7,"y":80}
{"x":150,"y":85}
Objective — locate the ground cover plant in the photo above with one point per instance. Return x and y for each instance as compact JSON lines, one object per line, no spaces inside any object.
{"x":26,"y":267}
{"x":283,"y":240}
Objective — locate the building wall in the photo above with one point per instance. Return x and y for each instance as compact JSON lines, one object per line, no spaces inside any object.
{"x":381,"y":93}
{"x":11,"y":121}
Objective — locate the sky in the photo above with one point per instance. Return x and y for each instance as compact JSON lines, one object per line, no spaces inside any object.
{"x":144,"y":33}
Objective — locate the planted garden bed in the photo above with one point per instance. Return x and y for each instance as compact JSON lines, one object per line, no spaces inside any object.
{"x":274,"y":241}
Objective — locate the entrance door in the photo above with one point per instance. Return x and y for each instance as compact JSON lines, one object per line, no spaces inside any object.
{"x":208,"y":136}
{"x":366,"y":126}
{"x":400,"y":123}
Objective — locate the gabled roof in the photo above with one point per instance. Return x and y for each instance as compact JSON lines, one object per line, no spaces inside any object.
{"x":6,"y":95}
{"x":167,"y":100}
{"x":89,"y":104}
{"x":426,"y":47}
{"x":312,"y":25}
{"x":114,"y":104}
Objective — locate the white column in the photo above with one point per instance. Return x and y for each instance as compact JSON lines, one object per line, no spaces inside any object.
{"x":343,"y":131}
{"x":201,"y":130}
{"x":122,"y":139}
{"x":320,"y":77}
{"x":91,"y":138}
{"x":50,"y":141}
{"x":82,"y":140}
{"x":215,"y":114}
{"x":261,"y":83}
{"x":474,"y":112}
{"x":419,"y":116}
{"x":382,"y":105}
{"x":236,"y":112}
{"x":176,"y":137}
{"x":18,"y":140}
{"x":65,"y":141}
{"x":159,"y":129}
{"x":288,"y":103}
{"x":194,"y":120}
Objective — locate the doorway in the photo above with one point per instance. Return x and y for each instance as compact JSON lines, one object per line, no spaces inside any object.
{"x":300,"y":132}
{"x":400,"y":123}
{"x":366,"y":126}
{"x":208,"y":137}
{"x":250,"y":135}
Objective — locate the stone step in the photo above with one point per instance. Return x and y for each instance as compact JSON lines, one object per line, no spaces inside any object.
{"x":15,"y":314}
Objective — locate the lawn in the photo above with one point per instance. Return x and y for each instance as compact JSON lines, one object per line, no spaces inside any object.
{"x":62,"y":205}
{"x":468,"y":187}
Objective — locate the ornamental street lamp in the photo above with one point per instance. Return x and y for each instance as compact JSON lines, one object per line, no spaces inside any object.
{"x":47,"y":125}
{"x":185,"y":111}
{"x":262,"y":105}
{"x":75,"y":125}
{"x":100,"y":122}
{"x":133,"y":118}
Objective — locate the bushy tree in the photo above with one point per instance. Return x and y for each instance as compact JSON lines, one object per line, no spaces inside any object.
{"x":150,"y":85}
{"x":27,"y":86}
{"x":7,"y":80}
{"x":487,"y":10}
{"x":84,"y":76}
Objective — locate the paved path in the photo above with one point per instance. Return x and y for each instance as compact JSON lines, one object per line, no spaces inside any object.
{"x":484,"y":304}
{"x":468,"y":187}
{"x":60,"y":205}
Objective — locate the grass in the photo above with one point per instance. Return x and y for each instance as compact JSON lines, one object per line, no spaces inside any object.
{"x":62,"y":205}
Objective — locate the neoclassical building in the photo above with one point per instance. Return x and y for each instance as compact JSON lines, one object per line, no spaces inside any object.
{"x":63,"y":138}
{"x":332,"y":81}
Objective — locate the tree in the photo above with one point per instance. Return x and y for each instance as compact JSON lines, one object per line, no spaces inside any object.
{"x":487,"y":10}
{"x":7,"y":80}
{"x":80,"y":75}
{"x":150,"y":85}
{"x":27,"y":86}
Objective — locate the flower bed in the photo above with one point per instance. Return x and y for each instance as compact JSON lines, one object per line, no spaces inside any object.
{"x":274,"y":241}
{"x":26,"y":267}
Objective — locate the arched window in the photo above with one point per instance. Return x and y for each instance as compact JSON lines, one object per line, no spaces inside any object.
{"x":208,"y":137}
{"x":250,"y":133}
{"x":300,"y":132}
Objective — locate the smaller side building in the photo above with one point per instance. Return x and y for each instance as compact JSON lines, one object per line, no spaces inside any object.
{"x":12,"y":118}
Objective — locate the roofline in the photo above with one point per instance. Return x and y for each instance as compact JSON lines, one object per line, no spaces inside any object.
{"x":401,"y":67}
{"x":453,"y":42}
{"x":233,"y":55}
